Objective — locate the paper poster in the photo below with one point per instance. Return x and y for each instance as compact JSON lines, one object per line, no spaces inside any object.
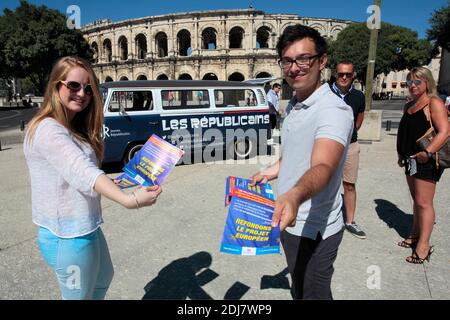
{"x":248,"y":229}
{"x":152,"y":164}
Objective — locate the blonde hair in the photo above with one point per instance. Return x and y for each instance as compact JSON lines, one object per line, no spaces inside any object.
{"x":424,"y":74}
{"x":87,"y":125}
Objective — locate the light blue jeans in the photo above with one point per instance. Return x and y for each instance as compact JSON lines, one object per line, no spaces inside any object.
{"x":82,"y":265}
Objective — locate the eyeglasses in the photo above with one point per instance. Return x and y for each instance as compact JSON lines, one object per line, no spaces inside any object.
{"x":301,"y":62}
{"x":344,"y":74}
{"x":417,"y":82}
{"x":76,"y":86}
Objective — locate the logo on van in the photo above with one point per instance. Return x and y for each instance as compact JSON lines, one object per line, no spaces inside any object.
{"x":108,"y":133}
{"x":216,"y":121}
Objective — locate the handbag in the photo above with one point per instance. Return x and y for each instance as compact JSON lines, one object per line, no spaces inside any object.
{"x":442,"y":156}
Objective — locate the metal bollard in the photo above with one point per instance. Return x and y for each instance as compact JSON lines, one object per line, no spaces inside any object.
{"x":22,"y":125}
{"x":388,"y":125}
{"x":0,"y":145}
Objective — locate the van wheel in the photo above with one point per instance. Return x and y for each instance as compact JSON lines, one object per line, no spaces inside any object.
{"x":242,"y":148}
{"x":131,"y":153}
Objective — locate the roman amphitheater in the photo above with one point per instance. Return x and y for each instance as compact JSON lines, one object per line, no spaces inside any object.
{"x":231,"y":45}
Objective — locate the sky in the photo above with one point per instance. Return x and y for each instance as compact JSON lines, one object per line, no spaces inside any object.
{"x":413,"y":14}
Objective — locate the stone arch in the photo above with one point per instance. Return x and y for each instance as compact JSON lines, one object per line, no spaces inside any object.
{"x":184,"y":43}
{"x":123,"y":48}
{"x":141,"y":46}
{"x":210,"y":76}
{"x":184,"y":76}
{"x":236,"y":37}
{"x":319,"y":27}
{"x":94,"y":47}
{"x":107,"y":50}
{"x":283,"y":27}
{"x":141,"y":77}
{"x":108,"y":79}
{"x":209,"y":38}
{"x":123,"y":78}
{"x":161,"y":44}
{"x":263,"y":74}
{"x":162,"y":76}
{"x":236,"y":76}
{"x":335,"y":31}
{"x":263,"y":37}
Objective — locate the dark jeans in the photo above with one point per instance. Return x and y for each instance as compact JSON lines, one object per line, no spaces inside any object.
{"x":273,"y":120}
{"x":310,"y":263}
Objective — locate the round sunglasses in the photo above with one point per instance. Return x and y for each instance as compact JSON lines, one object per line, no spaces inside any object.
{"x":76,"y":86}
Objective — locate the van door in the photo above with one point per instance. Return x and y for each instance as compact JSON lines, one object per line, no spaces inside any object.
{"x":131,"y":118}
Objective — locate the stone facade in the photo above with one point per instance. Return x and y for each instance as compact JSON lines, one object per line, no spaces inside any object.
{"x":395,"y":81}
{"x":222,"y":44}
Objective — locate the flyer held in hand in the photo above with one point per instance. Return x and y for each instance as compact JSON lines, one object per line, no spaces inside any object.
{"x":151,"y":165}
{"x":248,"y":229}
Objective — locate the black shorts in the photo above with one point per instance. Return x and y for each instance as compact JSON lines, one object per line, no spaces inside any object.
{"x":427,"y":171}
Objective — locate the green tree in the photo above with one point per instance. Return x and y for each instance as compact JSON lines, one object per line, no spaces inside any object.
{"x":398,"y":48}
{"x":439,"y":31}
{"x":32,"y":38}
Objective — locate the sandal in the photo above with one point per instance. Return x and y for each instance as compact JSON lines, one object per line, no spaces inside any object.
{"x":414,"y":258}
{"x":408,"y":245}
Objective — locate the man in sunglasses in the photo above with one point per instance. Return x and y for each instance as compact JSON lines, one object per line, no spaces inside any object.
{"x":343,"y":88}
{"x":315,"y":136}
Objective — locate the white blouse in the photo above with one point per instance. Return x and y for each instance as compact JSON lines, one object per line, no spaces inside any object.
{"x":63,"y":172}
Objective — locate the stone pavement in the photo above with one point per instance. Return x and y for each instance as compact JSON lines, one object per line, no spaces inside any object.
{"x":158,"y":245}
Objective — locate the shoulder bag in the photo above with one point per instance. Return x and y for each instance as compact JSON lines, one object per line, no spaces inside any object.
{"x":442,"y":157}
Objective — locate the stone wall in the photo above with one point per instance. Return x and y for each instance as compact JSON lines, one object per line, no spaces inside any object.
{"x":222,"y":45}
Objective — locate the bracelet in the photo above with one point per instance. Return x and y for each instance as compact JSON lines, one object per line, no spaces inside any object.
{"x":136,"y":200}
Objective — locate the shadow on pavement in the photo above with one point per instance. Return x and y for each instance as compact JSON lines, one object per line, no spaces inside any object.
{"x":278,"y":281}
{"x":236,"y":291}
{"x":394,"y":217}
{"x":182,"y":279}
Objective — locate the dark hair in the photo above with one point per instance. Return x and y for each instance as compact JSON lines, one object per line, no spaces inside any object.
{"x":345,"y":62}
{"x":276,"y":85}
{"x":299,"y":32}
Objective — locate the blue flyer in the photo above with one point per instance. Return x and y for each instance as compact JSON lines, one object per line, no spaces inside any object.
{"x":248,"y":229}
{"x":152,"y":164}
{"x":125,"y":181}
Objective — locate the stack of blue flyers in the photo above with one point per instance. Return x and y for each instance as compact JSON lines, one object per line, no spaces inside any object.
{"x":248,"y":229}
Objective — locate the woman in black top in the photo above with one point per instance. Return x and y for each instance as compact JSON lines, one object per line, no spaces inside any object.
{"x":420,"y":169}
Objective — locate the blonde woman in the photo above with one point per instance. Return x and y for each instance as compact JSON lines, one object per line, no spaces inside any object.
{"x":420,"y":169}
{"x":63,"y":149}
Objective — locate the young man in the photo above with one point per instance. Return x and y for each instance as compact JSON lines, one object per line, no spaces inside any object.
{"x":274,"y":106}
{"x":355,"y":99}
{"x":316,"y":134}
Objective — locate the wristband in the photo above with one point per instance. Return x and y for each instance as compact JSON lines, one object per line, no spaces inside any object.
{"x":136,"y":200}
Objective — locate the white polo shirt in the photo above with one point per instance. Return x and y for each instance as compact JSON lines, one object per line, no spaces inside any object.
{"x":321,"y":115}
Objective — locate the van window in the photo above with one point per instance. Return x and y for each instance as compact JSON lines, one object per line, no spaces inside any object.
{"x":235,"y":98}
{"x":184,"y":99}
{"x":131,"y":101}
